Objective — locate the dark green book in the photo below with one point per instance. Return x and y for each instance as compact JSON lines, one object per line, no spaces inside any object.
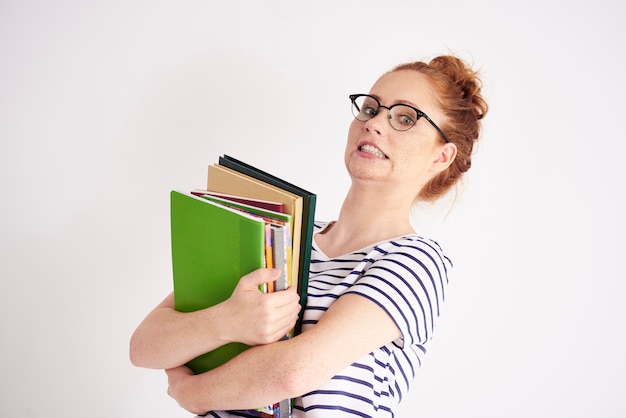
{"x":308,"y":218}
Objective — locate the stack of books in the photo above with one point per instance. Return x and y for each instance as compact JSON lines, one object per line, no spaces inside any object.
{"x":245,"y":219}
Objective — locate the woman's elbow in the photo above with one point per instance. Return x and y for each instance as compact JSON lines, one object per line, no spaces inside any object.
{"x":137,"y":353}
{"x":302,"y":378}
{"x":291,"y":386}
{"x":134,"y":354}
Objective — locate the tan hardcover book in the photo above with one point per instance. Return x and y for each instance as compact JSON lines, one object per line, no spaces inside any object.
{"x":225,"y":180}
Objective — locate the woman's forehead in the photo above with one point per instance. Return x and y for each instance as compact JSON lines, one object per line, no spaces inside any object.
{"x":404,"y":86}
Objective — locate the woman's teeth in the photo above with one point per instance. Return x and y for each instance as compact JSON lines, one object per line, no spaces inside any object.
{"x":372,"y":150}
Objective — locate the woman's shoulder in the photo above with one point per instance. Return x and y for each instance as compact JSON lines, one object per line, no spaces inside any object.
{"x":410,"y":244}
{"x":413,"y":246}
{"x":411,"y":240}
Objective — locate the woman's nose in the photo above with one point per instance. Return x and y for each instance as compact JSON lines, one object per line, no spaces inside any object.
{"x":377,"y":123}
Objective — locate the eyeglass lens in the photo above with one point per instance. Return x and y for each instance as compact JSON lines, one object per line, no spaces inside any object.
{"x":401,"y":117}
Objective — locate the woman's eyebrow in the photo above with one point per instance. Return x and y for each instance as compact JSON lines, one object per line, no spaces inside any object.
{"x":399,"y":101}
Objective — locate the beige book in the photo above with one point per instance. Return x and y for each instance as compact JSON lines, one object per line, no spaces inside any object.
{"x":225,"y":180}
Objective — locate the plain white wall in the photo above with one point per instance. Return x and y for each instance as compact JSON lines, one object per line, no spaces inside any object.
{"x":106,"y":106}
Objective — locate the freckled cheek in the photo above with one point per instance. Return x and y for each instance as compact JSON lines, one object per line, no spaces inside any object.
{"x":353,"y":133}
{"x":356,"y":126}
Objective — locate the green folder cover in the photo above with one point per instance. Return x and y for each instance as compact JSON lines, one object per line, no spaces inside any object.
{"x":308,"y":219}
{"x":212,"y":248}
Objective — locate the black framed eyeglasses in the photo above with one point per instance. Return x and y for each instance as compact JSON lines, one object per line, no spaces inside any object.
{"x":402,"y":117}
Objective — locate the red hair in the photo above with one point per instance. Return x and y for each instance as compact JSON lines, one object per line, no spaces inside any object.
{"x":458,"y":92}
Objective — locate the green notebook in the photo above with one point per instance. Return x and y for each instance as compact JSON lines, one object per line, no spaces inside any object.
{"x":212,"y":248}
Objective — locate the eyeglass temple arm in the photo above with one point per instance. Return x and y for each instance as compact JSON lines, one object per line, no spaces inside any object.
{"x":425,"y":116}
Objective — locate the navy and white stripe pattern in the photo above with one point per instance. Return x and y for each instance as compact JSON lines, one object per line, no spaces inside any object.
{"x":407,"y":277}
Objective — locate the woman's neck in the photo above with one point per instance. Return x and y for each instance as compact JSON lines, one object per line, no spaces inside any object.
{"x":365,"y":219}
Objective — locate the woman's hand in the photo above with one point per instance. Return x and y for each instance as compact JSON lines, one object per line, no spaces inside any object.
{"x":167,"y":338}
{"x":248,"y":316}
{"x":256,"y":318}
{"x":180,"y":382}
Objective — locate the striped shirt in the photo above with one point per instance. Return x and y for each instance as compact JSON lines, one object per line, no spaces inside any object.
{"x":407,"y":277}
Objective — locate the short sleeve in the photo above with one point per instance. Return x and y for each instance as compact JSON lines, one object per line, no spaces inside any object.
{"x":408,"y":279}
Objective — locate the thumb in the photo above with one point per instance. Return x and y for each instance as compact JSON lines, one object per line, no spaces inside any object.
{"x":260,"y":276}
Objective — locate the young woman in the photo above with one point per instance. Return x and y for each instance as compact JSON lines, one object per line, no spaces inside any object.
{"x":376,"y":287}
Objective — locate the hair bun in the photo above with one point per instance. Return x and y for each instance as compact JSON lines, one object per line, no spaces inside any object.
{"x":466,"y":79}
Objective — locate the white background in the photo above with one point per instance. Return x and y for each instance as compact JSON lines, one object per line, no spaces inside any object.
{"x":107,"y":106}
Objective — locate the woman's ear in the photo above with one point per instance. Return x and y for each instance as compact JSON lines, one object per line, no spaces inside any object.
{"x":447,"y":154}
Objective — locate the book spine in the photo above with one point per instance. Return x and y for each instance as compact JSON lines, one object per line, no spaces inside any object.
{"x":279,"y":252}
{"x":269,"y":255}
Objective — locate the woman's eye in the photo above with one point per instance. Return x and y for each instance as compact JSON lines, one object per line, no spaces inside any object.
{"x":369,"y":110}
{"x":406,"y":120}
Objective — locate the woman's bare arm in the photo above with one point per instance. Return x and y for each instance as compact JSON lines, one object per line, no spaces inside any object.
{"x":351,"y":328}
{"x":167,"y":338}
